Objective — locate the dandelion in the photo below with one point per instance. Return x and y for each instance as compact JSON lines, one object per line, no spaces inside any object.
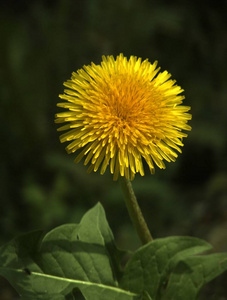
{"x":121,"y":113}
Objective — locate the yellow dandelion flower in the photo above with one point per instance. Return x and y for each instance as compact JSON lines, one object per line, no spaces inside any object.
{"x":122,"y":112}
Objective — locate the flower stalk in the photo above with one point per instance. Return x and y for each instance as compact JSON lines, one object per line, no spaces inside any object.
{"x":135,"y":212}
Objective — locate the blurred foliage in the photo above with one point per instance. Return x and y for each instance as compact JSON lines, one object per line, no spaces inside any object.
{"x":42,"y":42}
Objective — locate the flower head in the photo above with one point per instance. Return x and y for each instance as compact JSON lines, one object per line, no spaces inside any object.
{"x":122,"y":112}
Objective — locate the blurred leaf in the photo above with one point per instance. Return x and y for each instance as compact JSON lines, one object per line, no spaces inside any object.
{"x":149,"y":267}
{"x":192,"y":273}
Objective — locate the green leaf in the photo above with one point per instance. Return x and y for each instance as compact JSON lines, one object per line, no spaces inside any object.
{"x":192,"y":273}
{"x":84,"y":256}
{"x":149,"y":267}
{"x":71,"y":256}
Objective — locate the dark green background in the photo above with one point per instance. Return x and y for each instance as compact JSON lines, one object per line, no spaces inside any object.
{"x":42,"y":43}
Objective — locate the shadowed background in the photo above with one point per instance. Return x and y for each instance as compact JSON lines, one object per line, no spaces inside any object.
{"x":42,"y":43}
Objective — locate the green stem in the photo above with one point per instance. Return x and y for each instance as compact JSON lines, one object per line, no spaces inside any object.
{"x":135,"y":212}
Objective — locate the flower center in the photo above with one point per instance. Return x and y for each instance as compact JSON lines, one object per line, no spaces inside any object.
{"x":125,"y":102}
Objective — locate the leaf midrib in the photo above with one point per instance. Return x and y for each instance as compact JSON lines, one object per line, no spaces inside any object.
{"x":84,"y":283}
